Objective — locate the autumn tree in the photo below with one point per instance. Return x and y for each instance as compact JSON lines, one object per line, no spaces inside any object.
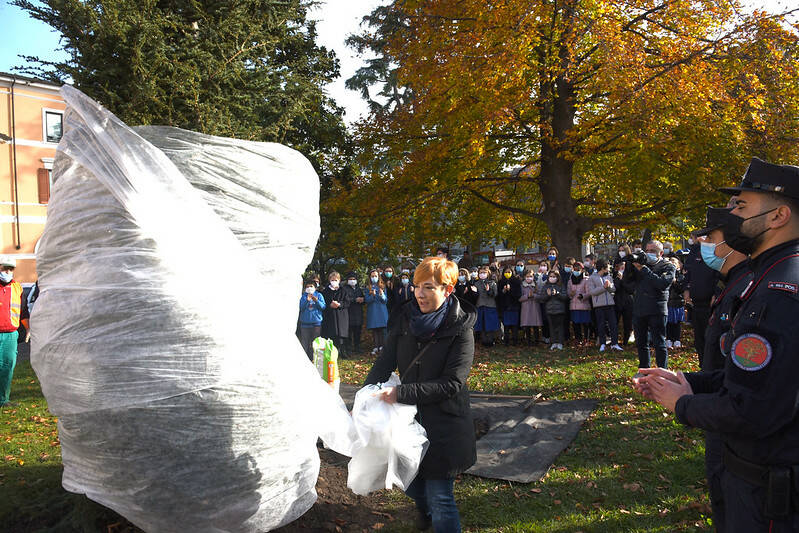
{"x":554,"y":118}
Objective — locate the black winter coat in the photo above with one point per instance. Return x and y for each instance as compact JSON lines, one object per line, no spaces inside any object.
{"x":652,"y":288}
{"x":676,"y":296}
{"x":336,"y":322}
{"x":356,"y":309}
{"x":466,"y":291}
{"x":436,"y":385}
{"x":509,"y":300}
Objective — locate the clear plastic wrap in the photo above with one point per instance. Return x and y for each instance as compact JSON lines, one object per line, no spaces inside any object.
{"x":163,"y":336}
{"x":391,"y":443}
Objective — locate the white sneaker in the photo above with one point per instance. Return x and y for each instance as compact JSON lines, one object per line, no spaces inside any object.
{"x":380,"y":349}
{"x":617,"y":348}
{"x":553,"y":347}
{"x":374,"y":351}
{"x":632,"y":337}
{"x":601,"y":347}
{"x":668,"y":344}
{"x":560,"y":346}
{"x":677,"y":344}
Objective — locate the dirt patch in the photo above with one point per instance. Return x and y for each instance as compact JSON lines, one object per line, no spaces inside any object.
{"x":338,"y":509}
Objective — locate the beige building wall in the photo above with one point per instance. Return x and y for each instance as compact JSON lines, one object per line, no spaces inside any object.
{"x":23,"y":204}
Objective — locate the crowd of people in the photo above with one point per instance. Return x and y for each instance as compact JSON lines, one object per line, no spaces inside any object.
{"x":602,"y":302}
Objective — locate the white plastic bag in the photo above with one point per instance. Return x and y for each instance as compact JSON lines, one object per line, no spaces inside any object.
{"x":161,"y":336}
{"x":391,"y":444}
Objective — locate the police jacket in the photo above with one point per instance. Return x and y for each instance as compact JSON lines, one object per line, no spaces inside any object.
{"x":722,"y":309}
{"x":652,"y":288}
{"x":700,"y":279}
{"x":755,"y":407}
{"x":436,"y":384}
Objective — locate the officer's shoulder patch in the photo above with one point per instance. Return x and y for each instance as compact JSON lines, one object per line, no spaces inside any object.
{"x":793,"y":288}
{"x":750,"y":352}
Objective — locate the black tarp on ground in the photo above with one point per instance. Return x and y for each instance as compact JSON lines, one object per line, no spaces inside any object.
{"x":523,"y":438}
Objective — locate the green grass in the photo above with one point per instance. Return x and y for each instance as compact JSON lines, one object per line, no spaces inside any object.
{"x":631,"y":468}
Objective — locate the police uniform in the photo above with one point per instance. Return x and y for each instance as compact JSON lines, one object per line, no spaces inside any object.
{"x":722,"y":307}
{"x":754,"y":402}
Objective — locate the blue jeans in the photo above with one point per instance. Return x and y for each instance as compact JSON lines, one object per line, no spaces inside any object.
{"x":651,"y":328}
{"x":435,"y":498}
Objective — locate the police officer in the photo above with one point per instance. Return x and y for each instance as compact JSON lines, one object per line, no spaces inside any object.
{"x":756,"y":405}
{"x":734,"y":275}
{"x":700,"y":281}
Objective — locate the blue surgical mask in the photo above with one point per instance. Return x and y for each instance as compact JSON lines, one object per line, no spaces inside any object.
{"x":460,"y":278}
{"x":405,"y":281}
{"x":567,"y":270}
{"x":552,"y":257}
{"x":652,"y":257}
{"x":374,"y":279}
{"x":388,"y":274}
{"x":519,"y":269}
{"x":709,"y":256}
{"x":6,"y":277}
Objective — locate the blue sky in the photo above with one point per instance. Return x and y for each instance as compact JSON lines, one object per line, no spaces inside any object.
{"x":24,"y":35}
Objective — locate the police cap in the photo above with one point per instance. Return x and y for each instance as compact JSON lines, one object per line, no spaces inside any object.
{"x":768,"y":177}
{"x":713,"y":220}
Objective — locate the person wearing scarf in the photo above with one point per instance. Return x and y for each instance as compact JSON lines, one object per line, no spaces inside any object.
{"x":438,"y":325}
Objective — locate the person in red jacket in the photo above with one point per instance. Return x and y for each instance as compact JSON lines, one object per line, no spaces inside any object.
{"x":11,"y":314}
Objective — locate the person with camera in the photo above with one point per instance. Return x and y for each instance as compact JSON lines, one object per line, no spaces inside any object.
{"x":654,"y":275}
{"x":752,"y":403}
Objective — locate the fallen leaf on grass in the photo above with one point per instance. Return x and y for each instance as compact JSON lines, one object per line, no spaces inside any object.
{"x":634,"y":487}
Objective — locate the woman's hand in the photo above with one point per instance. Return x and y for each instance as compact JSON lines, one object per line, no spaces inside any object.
{"x":388,"y":394}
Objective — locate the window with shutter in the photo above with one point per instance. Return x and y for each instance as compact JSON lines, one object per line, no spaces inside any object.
{"x":43,"y":178}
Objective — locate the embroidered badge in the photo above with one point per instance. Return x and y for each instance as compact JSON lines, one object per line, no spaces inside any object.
{"x":784,"y":286}
{"x":750,"y":352}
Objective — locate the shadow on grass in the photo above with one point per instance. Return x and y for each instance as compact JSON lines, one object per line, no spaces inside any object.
{"x":33,"y":501}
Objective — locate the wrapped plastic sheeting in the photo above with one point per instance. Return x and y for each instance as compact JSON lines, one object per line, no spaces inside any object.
{"x":391,"y":443}
{"x":163,"y":336}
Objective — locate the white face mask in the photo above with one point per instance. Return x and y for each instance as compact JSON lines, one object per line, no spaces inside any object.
{"x":482,"y":275}
{"x":310,"y":290}
{"x":352,"y":282}
{"x":666,"y":250}
{"x":405,"y":281}
{"x":473,"y":275}
{"x":6,"y":277}
{"x":374,"y":279}
{"x":461,"y":278}
{"x":553,"y":279}
{"x":637,"y":250}
{"x":528,"y":280}
{"x":334,"y":284}
{"x":622,"y":253}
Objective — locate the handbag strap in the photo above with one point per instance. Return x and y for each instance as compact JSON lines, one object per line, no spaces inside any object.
{"x":418,"y":355}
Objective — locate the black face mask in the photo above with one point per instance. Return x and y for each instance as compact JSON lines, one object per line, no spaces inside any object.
{"x":735,"y":238}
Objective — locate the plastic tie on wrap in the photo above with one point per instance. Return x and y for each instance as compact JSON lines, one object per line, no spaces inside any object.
{"x":161,"y":337}
{"x":391,"y":444}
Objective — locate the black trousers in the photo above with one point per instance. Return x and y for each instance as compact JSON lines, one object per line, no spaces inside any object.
{"x":744,"y":506}
{"x":700,"y":316}
{"x":624,"y":319}
{"x":714,"y":468}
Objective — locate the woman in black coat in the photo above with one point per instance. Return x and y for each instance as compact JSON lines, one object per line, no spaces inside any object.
{"x":336,"y":317}
{"x":437,"y":325}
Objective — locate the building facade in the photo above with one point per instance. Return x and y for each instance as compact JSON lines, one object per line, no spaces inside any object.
{"x":31,"y":119}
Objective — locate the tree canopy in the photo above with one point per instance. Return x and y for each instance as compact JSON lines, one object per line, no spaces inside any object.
{"x":550,"y":119}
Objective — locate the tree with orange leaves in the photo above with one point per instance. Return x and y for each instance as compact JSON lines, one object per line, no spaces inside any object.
{"x":552,"y":118}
